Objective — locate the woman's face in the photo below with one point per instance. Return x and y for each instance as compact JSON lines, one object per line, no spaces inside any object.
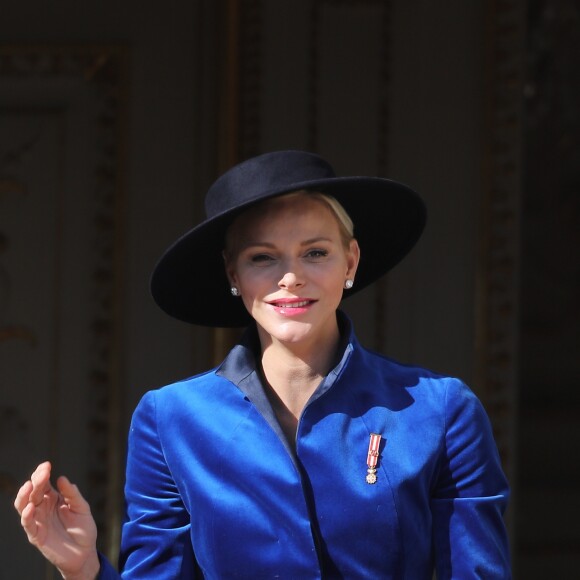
{"x":289,"y":262}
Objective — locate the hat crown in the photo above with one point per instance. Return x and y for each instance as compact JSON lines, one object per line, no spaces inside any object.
{"x":251,"y":180}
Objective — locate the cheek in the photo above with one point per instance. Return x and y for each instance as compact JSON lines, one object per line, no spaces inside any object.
{"x":252,"y":281}
{"x":334,"y":274}
{"x":238,"y":273}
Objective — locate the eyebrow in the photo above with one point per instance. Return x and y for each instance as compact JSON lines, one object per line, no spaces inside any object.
{"x":308,"y":242}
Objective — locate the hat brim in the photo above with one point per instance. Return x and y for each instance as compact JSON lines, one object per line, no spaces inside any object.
{"x":189,"y":281}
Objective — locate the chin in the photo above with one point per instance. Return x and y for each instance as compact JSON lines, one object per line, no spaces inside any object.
{"x":290,"y":332}
{"x":293,"y":332}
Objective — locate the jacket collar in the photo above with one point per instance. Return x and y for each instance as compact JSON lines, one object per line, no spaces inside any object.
{"x":241,"y":367}
{"x":242,"y":361}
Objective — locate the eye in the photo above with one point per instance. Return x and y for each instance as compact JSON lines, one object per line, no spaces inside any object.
{"x":261,"y":258}
{"x":316,"y":254}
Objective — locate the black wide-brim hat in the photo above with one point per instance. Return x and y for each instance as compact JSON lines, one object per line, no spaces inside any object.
{"x":189,"y":281}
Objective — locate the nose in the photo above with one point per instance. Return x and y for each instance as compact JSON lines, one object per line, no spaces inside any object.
{"x":292,"y":277}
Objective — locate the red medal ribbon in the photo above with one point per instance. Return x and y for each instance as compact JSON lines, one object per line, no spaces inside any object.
{"x":373,"y":454}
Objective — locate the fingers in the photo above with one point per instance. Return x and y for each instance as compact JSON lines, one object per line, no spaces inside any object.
{"x":30,"y":495}
{"x":40,"y":482}
{"x":34,"y":489}
{"x":72,"y":496}
{"x":28,"y":521}
{"x":21,"y":500}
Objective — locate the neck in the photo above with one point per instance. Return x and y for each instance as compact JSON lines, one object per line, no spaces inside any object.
{"x":293,"y":372}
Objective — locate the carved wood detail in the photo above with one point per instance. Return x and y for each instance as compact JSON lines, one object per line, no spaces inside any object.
{"x":498,"y":271}
{"x":102,"y":70}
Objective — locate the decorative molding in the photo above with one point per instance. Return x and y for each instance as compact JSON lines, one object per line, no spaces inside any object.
{"x":9,"y":331}
{"x":101,"y":69}
{"x":250,"y":75}
{"x":499,"y":261}
{"x":381,"y":286}
{"x":11,"y":184}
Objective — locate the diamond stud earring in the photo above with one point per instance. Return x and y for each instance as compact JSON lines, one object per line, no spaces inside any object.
{"x":234,"y":291}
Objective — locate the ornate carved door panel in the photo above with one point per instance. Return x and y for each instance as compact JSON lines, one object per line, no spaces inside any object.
{"x":60,"y":265}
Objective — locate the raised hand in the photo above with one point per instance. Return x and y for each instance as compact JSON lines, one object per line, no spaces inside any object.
{"x":59,"y":523}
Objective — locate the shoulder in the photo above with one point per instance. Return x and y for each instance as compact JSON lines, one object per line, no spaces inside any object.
{"x":424,"y":382}
{"x":196,"y":385}
{"x":193,"y":392}
{"x":191,"y":404}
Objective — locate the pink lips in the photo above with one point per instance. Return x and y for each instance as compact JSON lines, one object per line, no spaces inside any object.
{"x":292,"y":306}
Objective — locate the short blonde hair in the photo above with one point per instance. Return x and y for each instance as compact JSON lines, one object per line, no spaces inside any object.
{"x":344,"y":220}
{"x":345,"y":224}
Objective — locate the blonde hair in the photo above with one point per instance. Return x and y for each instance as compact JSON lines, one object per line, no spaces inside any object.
{"x":344,"y":220}
{"x":345,"y":224}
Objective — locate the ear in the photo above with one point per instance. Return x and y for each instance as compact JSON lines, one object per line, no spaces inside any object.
{"x":352,"y":258}
{"x":230,"y":270}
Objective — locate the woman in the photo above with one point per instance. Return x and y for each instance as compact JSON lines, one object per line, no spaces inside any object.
{"x":303,"y":455}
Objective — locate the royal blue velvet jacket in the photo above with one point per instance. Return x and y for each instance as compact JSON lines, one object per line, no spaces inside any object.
{"x":214,"y":488}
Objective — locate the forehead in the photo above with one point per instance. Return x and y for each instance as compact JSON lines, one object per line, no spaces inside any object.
{"x":295,"y":209}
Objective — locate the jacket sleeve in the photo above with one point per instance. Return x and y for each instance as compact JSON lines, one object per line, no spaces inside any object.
{"x":155,"y":541}
{"x":107,"y":572}
{"x":470,"y":496}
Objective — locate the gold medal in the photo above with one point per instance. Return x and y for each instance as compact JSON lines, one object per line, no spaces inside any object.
{"x":371,"y":476}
